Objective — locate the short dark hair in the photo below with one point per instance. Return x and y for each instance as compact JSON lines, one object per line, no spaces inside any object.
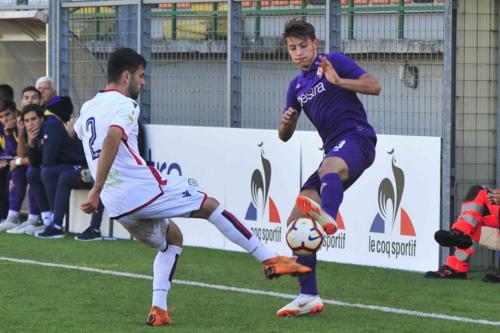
{"x":6,"y":104}
{"x":6,"y":92}
{"x":300,"y":29}
{"x":32,"y":108}
{"x":121,"y":60}
{"x":32,"y":88}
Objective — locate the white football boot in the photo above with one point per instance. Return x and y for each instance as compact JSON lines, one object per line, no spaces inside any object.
{"x":20,"y":229}
{"x":302,"y":305}
{"x":34,"y":228}
{"x":9,"y":223}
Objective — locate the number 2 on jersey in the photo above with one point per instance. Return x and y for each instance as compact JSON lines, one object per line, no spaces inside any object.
{"x":90,"y":126}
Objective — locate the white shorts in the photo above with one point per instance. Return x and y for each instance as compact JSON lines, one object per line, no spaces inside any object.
{"x":181,"y":196}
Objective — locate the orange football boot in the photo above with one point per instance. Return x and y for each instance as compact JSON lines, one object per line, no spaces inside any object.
{"x":314,"y":211}
{"x":159,"y":317}
{"x":276,"y":266}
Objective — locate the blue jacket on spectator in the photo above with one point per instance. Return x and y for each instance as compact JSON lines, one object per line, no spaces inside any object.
{"x":57,"y":146}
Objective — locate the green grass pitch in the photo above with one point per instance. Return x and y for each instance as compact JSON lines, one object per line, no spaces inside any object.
{"x":51,"y":299}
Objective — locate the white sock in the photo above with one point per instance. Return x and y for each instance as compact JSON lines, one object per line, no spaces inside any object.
{"x":33,"y":217}
{"x":12,"y":215}
{"x":237,"y":233}
{"x":46,"y":218}
{"x":163,"y":273}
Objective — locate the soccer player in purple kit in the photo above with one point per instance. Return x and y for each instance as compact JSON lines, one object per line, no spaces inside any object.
{"x":325,"y":91}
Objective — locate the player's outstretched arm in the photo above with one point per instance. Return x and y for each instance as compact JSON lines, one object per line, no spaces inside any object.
{"x":365,"y":84}
{"x":288,"y":124}
{"x":108,"y":153}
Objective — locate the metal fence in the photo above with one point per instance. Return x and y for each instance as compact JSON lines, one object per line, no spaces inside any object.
{"x":223,"y":63}
{"x":191,"y":53}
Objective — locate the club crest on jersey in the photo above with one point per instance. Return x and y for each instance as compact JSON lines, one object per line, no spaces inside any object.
{"x":339,"y":145}
{"x":319,"y":72}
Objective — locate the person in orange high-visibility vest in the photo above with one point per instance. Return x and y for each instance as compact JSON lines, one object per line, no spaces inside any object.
{"x":479,"y":210}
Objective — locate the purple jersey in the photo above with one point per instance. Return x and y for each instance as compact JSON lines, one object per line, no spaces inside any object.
{"x":334,"y":111}
{"x":10,"y":145}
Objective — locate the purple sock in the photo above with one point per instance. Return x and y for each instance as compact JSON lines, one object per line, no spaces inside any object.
{"x":307,"y":282}
{"x":332,"y":193}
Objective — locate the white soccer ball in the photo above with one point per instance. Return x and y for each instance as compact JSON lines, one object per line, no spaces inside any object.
{"x":304,"y":236}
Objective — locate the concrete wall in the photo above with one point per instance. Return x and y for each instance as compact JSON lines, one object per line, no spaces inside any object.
{"x":22,"y":51}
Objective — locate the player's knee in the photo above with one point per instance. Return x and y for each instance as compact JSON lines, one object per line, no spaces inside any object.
{"x":174,"y":234}
{"x":206,"y":209}
{"x":338,"y":168}
{"x":473,"y":191}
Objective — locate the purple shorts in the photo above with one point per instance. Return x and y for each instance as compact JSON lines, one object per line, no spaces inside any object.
{"x":357,"y":150}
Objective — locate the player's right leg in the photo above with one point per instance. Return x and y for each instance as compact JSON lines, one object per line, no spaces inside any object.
{"x":166,"y":237}
{"x":231,"y":227}
{"x":308,"y":300}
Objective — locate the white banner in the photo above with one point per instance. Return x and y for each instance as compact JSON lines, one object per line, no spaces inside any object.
{"x":387,"y":218}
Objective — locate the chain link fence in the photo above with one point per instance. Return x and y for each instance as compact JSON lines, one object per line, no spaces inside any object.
{"x":400,"y":45}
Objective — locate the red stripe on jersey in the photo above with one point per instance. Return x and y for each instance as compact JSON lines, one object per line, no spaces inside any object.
{"x":124,"y":135}
{"x":155,"y":172}
{"x":157,"y":175}
{"x":139,"y":161}
{"x":140,"y":207}
{"x":136,"y":158}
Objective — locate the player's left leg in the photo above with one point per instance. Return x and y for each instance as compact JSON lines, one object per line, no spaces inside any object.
{"x":163,"y":272}
{"x":166,"y":237}
{"x":231,"y":227}
{"x":342,"y":166}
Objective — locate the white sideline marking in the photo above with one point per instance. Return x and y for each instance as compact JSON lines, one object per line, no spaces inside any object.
{"x":260,"y":292}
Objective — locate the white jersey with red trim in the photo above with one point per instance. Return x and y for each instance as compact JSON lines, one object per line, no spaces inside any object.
{"x":131,"y":184}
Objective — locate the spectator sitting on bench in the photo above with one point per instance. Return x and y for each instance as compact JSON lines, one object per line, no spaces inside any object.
{"x":61,"y":160}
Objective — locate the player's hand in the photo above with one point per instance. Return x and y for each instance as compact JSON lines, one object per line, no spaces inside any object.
{"x":13,"y":165}
{"x":328,"y":70}
{"x":20,"y":126}
{"x":90,"y":205}
{"x":70,"y":127}
{"x":494,"y":197}
{"x":32,"y":135}
{"x":289,"y":117}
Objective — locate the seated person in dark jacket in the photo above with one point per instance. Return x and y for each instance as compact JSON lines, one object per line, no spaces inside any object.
{"x":61,"y":158}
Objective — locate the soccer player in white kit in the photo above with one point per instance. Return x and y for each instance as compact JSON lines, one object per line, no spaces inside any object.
{"x":136,"y":195}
